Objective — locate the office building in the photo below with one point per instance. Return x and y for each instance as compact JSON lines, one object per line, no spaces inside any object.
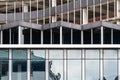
{"x":59,"y":39}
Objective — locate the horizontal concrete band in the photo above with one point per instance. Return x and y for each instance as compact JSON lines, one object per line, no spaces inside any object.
{"x":60,"y":24}
{"x":62,"y":46}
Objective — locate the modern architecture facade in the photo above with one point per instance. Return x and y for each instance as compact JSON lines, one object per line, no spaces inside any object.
{"x":59,"y":39}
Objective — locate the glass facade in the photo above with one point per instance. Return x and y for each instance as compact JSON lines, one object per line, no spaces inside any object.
{"x":59,"y":40}
{"x":59,"y":64}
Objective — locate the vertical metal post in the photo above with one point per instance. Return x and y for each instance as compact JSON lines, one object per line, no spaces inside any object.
{"x":47,"y":64}
{"x":10,"y":64}
{"x":102,"y":36}
{"x":91,"y":36}
{"x":101,"y":64}
{"x":42,"y":36}
{"x":118,"y":64}
{"x":19,"y":35}
{"x":111,"y":36}
{"x":28,"y":64}
{"x":61,"y":35}
{"x":82,"y":36}
{"x":1,"y":35}
{"x":83,"y":64}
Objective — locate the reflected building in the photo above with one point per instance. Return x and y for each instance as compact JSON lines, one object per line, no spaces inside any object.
{"x":59,"y":39}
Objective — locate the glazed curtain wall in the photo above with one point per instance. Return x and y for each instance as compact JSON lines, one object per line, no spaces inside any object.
{"x":63,"y":64}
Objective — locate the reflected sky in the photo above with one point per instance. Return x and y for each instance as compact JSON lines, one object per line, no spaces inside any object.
{"x":110,"y":54}
{"x":39,"y":53}
{"x":110,"y":69}
{"x":92,"y":54}
{"x":74,"y":54}
{"x":55,"y":54}
{"x":92,"y":69}
{"x":74,"y":70}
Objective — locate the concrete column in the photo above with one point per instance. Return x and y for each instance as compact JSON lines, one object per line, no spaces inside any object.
{"x":85,"y":16}
{"x":118,"y":11}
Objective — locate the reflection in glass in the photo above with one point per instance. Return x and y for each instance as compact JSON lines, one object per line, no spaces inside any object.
{"x":74,"y":70}
{"x":19,"y":65}
{"x":37,"y":69}
{"x":4,"y":64}
{"x":37,"y":54}
{"x":110,"y":54}
{"x":56,"y":70}
{"x":37,"y":64}
{"x":92,"y":69}
{"x":55,"y":54}
{"x":3,"y":69}
{"x":19,"y":54}
{"x":92,"y":54}
{"x":3,"y":54}
{"x":110,"y":69}
{"x":19,"y":70}
{"x":74,"y":54}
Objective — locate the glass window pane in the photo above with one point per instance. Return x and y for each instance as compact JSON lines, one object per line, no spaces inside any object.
{"x":96,"y":36}
{"x":19,"y":70}
{"x":66,"y":34}
{"x":37,"y":70}
{"x":56,"y":70}
{"x":56,"y":35}
{"x":36,"y":36}
{"x":46,"y":36}
{"x":92,"y":70}
{"x":107,"y":36}
{"x":14,"y":35}
{"x":110,"y":69}
{"x":19,"y":54}
{"x":26,"y":33}
{"x":74,"y":54}
{"x":74,"y":70}
{"x":92,"y":54}
{"x":110,"y":54}
{"x":76,"y":36}
{"x":87,"y":37}
{"x":6,"y":36}
{"x":3,"y":54}
{"x":55,"y":54}
{"x":38,"y":54}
